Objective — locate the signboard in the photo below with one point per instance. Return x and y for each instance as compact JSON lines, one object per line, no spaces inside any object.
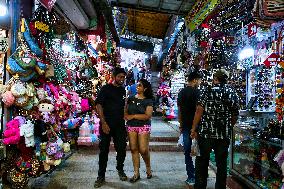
{"x":272,"y":60}
{"x":252,"y":29}
{"x":199,"y":12}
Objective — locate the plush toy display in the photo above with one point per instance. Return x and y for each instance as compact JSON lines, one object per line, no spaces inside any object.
{"x":27,"y":130}
{"x":12,"y":132}
{"x":46,"y":107}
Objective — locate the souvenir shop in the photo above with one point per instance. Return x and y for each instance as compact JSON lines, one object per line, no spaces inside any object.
{"x":48,"y":86}
{"x":247,"y":39}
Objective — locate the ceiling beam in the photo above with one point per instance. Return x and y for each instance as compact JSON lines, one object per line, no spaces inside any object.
{"x":75,"y":13}
{"x":180,"y":7}
{"x":88,"y":7}
{"x":160,"y":4}
{"x":144,"y":8}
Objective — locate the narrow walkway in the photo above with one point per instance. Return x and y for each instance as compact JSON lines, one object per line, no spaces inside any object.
{"x":80,"y":170}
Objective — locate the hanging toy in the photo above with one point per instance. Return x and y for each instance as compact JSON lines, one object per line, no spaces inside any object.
{"x":31,"y":43}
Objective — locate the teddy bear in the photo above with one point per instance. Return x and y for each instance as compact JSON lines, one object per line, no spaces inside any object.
{"x":27,"y":130}
{"x":12,"y":132}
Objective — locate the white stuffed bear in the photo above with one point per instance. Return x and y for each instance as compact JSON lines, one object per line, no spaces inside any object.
{"x":27,"y":130}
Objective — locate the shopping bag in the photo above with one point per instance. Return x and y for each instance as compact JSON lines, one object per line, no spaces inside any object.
{"x":194,"y":148}
{"x":180,"y":140}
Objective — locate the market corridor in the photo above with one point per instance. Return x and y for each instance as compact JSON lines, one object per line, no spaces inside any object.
{"x":80,"y":170}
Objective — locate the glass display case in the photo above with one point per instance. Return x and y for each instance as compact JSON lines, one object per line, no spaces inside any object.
{"x":256,"y":141}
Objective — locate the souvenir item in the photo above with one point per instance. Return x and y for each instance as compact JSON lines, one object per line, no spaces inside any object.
{"x":49,"y":71}
{"x":8,"y":98}
{"x":12,"y":132}
{"x":30,"y":41}
{"x":26,"y":63}
{"x":27,"y":130}
{"x":14,"y":68}
{"x":30,"y":89}
{"x":21,"y":101}
{"x":18,"y":89}
{"x":17,"y":179}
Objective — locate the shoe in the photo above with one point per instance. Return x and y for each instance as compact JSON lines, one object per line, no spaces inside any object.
{"x":135,"y":178}
{"x":99,"y":182}
{"x":122,"y":175}
{"x":190,"y":181}
{"x":149,"y":175}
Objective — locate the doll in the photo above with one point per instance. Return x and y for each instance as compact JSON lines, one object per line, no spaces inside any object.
{"x":46,"y":107}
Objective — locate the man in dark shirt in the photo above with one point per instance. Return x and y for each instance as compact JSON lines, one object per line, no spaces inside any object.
{"x":216,"y":114}
{"x":110,"y":108}
{"x":187,"y":101}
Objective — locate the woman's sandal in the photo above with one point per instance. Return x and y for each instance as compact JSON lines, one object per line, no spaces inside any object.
{"x":135,"y":178}
{"x":149,"y":175}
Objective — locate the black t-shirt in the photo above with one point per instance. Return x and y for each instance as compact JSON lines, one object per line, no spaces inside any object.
{"x":112,"y":99}
{"x":187,"y":101}
{"x":138,"y":106}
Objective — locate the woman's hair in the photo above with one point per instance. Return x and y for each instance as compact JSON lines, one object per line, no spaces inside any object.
{"x":148,"y":93}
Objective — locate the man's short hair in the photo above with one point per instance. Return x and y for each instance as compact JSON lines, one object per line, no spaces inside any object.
{"x":221,"y":75}
{"x":118,"y":70}
{"x":194,"y":75}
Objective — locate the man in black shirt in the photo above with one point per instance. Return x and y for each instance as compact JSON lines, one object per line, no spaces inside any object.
{"x":187,"y":101}
{"x":215,"y":116}
{"x":110,"y":108}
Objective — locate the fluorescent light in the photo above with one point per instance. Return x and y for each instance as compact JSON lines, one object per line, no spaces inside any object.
{"x":3,"y":10}
{"x":246,"y":53}
{"x":66,"y":48}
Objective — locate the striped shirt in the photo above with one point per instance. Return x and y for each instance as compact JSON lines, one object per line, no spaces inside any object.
{"x":220,"y":103}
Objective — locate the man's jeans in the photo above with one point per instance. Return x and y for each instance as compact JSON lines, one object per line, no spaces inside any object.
{"x":118,"y":133}
{"x":187,"y":149}
{"x":220,"y":147}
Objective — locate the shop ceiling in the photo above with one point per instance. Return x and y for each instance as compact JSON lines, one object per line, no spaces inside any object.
{"x":144,"y":17}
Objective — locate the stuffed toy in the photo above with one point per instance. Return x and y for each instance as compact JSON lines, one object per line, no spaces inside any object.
{"x":71,"y":123}
{"x":279,"y":158}
{"x":85,"y":128}
{"x":12,"y":132}
{"x":8,"y":98}
{"x":21,"y":119}
{"x":41,"y":93}
{"x":27,"y":130}
{"x":85,"y":105}
{"x":46,"y":107}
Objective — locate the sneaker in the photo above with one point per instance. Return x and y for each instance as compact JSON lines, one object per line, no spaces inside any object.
{"x":99,"y":182}
{"x":122,"y":175}
{"x":190,"y":181}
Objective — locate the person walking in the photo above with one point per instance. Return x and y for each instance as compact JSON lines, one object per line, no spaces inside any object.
{"x":187,"y":102}
{"x":138,"y":113}
{"x":132,"y":88}
{"x":110,"y":108}
{"x":215,"y":115}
